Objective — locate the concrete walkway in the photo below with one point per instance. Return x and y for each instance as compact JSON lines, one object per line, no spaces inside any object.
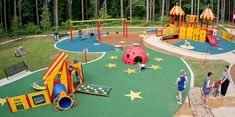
{"x":14,"y":78}
{"x":197,"y":104}
{"x":155,"y":43}
{"x":32,"y":36}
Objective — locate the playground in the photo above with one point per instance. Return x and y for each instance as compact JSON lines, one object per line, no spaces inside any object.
{"x":150,"y":82}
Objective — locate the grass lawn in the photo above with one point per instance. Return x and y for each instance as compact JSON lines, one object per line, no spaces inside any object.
{"x":41,"y":52}
{"x":200,"y":70}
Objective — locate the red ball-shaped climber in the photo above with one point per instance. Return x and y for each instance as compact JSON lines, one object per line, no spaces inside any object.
{"x":134,"y":55}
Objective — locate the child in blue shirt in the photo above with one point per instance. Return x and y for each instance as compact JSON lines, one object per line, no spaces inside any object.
{"x":181,"y":83}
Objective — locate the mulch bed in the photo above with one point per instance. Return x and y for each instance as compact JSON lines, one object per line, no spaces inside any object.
{"x":117,"y":39}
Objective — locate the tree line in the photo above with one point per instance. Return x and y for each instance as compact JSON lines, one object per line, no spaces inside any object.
{"x":44,"y":14}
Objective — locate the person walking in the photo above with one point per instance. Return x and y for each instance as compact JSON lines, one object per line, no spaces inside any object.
{"x":207,"y":85}
{"x":181,"y":81}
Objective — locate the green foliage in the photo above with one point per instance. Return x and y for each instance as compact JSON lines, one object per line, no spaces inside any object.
{"x":65,"y":25}
{"x":30,"y":28}
{"x":102,"y":14}
{"x":45,"y":21}
{"x":1,"y":28}
{"x":15,"y":26}
{"x":138,"y":7}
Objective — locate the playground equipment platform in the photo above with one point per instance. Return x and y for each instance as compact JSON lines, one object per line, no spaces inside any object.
{"x":93,"y":89}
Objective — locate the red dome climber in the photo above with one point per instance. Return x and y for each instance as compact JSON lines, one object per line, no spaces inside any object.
{"x":133,"y":55}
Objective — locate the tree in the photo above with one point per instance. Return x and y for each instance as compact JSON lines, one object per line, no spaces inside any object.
{"x":56,"y":14}
{"x":121,"y":8}
{"x":223,"y":11}
{"x":5,"y":15}
{"x":82,"y":9}
{"x":139,"y":8}
{"x":70,"y":9}
{"x":1,"y":15}
{"x":86,"y":10}
{"x":96,"y":9}
{"x":198,"y":2}
{"x":45,"y":18}
{"x":180,"y":3}
{"x":191,"y":7}
{"x":20,"y":18}
{"x":105,"y":7}
{"x":153,"y":13}
{"x":37,"y":15}
{"x":130,"y":10}
{"x":163,"y":5}
{"x":102,"y":13}
{"x":150,"y":9}
{"x":15,"y":13}
{"x":229,"y":10}
{"x":218,"y":4}
{"x":147,"y":11}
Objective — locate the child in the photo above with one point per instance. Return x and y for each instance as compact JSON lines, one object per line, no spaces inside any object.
{"x":80,"y":33}
{"x":141,"y":67}
{"x":181,"y":81}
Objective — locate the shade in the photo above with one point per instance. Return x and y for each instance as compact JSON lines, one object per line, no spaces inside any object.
{"x":177,"y":10}
{"x":207,"y":14}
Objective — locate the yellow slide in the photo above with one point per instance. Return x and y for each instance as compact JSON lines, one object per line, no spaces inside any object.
{"x":37,"y":87}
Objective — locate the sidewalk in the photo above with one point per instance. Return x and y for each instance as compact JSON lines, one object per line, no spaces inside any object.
{"x":14,"y":78}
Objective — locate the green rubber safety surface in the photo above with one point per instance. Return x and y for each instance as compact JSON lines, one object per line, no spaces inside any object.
{"x":153,"y":88}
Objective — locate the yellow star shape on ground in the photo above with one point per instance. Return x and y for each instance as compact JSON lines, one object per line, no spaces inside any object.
{"x":2,"y":101}
{"x":129,"y":71}
{"x":113,"y":57}
{"x":110,"y":65}
{"x":158,"y":59}
{"x":155,"y":67}
{"x":134,"y":95}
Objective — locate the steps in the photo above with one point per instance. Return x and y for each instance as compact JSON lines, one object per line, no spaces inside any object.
{"x":197,"y":105}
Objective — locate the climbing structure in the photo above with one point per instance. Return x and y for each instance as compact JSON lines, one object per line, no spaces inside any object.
{"x":133,"y":55}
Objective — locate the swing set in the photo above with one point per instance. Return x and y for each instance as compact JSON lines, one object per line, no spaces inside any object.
{"x":98,"y":21}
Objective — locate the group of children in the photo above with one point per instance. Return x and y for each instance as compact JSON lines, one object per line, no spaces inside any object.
{"x":220,"y":87}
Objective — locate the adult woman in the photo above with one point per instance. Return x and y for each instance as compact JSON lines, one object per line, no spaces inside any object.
{"x":207,"y":84}
{"x":225,"y":80}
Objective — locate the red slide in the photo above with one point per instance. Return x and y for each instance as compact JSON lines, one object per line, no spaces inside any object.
{"x":212,"y":40}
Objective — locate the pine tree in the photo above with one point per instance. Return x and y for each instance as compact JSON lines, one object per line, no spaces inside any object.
{"x":45,"y":22}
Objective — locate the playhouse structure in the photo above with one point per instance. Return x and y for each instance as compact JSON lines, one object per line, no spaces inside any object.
{"x":190,"y":31}
{"x":133,"y":55}
{"x":58,"y":79}
{"x":59,"y":85}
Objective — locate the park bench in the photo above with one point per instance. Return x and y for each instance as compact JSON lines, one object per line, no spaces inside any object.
{"x":16,"y":68}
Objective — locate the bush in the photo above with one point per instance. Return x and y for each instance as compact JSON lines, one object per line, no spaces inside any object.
{"x":65,"y":25}
{"x":30,"y":28}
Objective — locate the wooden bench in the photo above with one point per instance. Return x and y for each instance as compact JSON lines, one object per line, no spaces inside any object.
{"x":16,"y":68}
